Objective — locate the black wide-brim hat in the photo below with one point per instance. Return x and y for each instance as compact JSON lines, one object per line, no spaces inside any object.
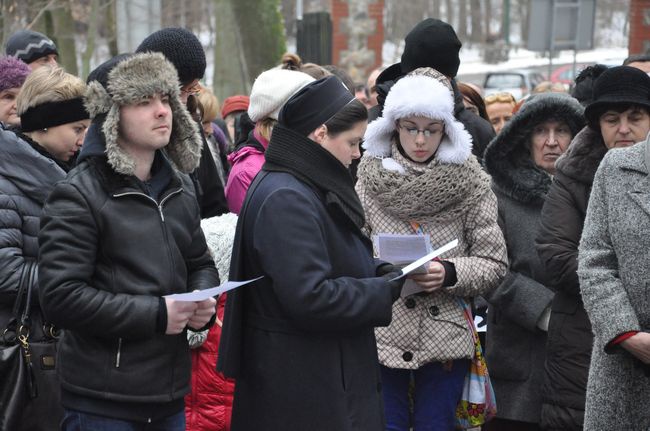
{"x":621,"y":85}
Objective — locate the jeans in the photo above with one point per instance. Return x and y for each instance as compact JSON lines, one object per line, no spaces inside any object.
{"x":79,"y":421}
{"x":436,"y":394}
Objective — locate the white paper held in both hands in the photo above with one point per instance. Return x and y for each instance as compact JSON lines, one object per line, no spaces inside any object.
{"x":200,"y":295}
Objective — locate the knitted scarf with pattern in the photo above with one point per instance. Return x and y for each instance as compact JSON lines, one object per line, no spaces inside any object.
{"x":432,"y":192}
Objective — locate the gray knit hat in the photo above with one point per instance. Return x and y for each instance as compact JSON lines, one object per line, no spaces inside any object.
{"x":128,"y":80}
{"x":29,"y":45}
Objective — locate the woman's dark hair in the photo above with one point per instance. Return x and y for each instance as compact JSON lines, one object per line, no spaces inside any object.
{"x":475,"y":98}
{"x":584,"y":83}
{"x":616,"y":107}
{"x":346,"y":118}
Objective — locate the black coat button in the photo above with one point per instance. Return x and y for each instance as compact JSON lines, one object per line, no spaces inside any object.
{"x":407,"y":356}
{"x":434,"y":311}
{"x":410,"y":303}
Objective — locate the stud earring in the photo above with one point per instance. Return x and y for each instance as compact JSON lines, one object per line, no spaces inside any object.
{"x":44,"y":129}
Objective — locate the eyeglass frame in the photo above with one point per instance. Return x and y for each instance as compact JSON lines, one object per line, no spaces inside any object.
{"x":502,"y":97}
{"x":424,"y":132}
{"x":193,"y":90}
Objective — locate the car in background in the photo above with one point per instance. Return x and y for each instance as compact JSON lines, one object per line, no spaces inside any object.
{"x":518,"y":82}
{"x":564,"y":74}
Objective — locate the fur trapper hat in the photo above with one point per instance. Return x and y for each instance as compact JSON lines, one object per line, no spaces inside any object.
{"x":424,"y":92}
{"x":127,"y":81}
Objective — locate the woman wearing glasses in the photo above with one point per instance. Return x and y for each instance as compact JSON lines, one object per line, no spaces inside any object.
{"x":418,"y":176}
{"x":499,"y":109}
{"x":521,"y":160}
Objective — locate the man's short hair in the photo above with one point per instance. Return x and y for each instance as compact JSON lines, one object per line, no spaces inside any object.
{"x":48,"y":84}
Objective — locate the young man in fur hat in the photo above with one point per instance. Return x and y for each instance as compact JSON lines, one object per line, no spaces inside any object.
{"x":184,"y":50}
{"x":120,"y":233}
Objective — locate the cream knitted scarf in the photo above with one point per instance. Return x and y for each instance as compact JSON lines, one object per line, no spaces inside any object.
{"x":433,"y":192}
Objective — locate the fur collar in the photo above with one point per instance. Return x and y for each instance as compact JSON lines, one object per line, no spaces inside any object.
{"x":507,"y":158}
{"x":583,"y":157}
{"x":425,"y":96}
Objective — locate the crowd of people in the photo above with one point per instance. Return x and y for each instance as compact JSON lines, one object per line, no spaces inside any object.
{"x":119,"y":192}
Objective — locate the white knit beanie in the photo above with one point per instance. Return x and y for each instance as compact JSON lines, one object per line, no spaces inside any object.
{"x":272,"y":89}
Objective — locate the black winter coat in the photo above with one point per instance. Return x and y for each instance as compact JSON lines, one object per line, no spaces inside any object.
{"x":108,"y":252}
{"x":305,"y":356}
{"x":27,"y":176}
{"x":569,"y":343}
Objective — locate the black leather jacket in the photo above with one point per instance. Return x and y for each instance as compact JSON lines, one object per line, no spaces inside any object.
{"x":108,"y":252}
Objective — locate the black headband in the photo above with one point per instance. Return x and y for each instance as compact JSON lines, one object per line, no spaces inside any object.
{"x":52,"y":114}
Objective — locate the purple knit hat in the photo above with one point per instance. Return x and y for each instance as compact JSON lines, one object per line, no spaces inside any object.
{"x":13,"y":73}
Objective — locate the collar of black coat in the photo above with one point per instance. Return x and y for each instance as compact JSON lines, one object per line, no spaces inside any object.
{"x":585,"y":153}
{"x":507,"y":158}
{"x":291,"y":152}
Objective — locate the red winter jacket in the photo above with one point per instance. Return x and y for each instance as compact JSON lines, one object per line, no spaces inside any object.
{"x":208,"y":406}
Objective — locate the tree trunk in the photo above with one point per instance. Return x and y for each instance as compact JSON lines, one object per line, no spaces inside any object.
{"x":450,"y":12}
{"x":262,"y":34}
{"x":434,"y":9}
{"x":477,"y":24}
{"x":65,"y":43}
{"x":462,"y":20}
{"x":488,"y":20}
{"x":111,"y":32}
{"x":524,"y":11}
{"x":90,"y":38}
{"x":230,"y":74}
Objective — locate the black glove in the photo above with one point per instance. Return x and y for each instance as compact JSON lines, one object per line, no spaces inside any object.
{"x":395,"y":285}
{"x":385,"y":268}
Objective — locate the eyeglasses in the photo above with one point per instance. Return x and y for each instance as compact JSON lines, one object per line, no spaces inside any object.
{"x":427,"y":133}
{"x":503,"y":97}
{"x":193,"y":90}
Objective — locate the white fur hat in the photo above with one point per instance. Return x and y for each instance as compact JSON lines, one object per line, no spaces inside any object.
{"x":272,"y":89}
{"x":423,"y":92}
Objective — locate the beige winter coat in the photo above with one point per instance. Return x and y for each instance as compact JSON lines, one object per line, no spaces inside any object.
{"x":431,"y":327}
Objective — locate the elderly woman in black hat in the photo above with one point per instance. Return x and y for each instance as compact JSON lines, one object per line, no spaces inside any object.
{"x":521,"y":160}
{"x":300,"y":341}
{"x":618,"y":116}
{"x":614,"y":254}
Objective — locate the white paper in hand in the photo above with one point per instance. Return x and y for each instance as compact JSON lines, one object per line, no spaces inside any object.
{"x":426,"y":258}
{"x":200,"y":295}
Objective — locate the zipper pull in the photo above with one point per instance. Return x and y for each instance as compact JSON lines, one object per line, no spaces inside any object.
{"x":119,"y":353}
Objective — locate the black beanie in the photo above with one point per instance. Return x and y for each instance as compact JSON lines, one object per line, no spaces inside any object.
{"x":432,"y":43}
{"x":30,"y":45}
{"x":314,"y":104}
{"x":621,"y":85}
{"x":182,"y":49}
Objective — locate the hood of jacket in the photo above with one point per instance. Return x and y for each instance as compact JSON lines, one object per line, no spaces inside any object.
{"x":243,"y":153}
{"x":508,"y":159}
{"x":33,"y":173}
{"x":583,"y":157}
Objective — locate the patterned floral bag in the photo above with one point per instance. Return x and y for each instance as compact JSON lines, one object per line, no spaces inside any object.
{"x":477,"y":404}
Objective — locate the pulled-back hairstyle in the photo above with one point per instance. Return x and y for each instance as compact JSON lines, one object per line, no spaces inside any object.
{"x":48,"y":84}
{"x":294,"y":62}
{"x":346,"y":118}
